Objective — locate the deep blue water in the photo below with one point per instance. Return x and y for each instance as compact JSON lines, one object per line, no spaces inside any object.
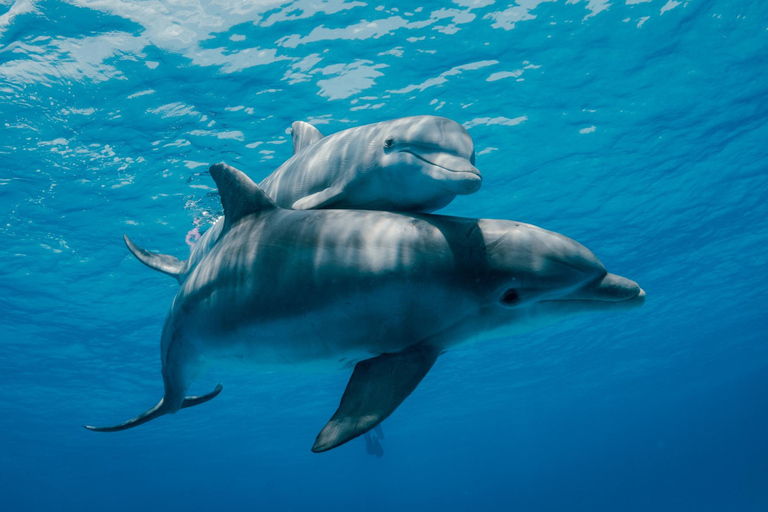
{"x":637,"y":127}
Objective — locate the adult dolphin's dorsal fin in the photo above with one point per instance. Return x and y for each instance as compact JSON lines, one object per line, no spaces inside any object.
{"x":240,"y":196}
{"x":164,"y":263}
{"x":303,"y":135}
{"x":377,"y":387}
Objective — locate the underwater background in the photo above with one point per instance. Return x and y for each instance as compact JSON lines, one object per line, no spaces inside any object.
{"x":637,"y":127}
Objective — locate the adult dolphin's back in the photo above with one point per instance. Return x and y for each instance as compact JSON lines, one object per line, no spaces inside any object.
{"x":411,"y":164}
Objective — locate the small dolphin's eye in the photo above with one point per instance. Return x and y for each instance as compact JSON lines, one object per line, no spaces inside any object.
{"x":510,"y":297}
{"x":389,"y":143}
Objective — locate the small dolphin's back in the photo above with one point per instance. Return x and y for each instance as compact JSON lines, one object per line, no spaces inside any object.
{"x":313,"y":169}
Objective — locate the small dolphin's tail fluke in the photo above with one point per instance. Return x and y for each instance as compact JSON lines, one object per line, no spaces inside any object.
{"x":157,"y":411}
{"x":164,"y":263}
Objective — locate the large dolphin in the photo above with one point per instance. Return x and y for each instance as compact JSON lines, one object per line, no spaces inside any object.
{"x":383,"y":293}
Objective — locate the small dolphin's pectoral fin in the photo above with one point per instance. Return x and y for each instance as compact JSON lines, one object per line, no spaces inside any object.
{"x":326,"y":198}
{"x":240,"y":196}
{"x":303,"y":135}
{"x":377,"y":387}
{"x":159,"y":410}
{"x":164,"y":263}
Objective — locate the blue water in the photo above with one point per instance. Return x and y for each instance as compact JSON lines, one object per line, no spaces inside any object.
{"x":637,"y":127}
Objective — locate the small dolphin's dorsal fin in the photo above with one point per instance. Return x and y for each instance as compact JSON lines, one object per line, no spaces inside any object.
{"x":377,"y":387}
{"x":164,"y":263}
{"x":303,"y":135}
{"x":240,"y":196}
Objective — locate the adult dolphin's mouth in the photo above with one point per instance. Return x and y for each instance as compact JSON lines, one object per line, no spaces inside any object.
{"x":459,"y":168}
{"x":608,"y":292}
{"x":609,"y":288}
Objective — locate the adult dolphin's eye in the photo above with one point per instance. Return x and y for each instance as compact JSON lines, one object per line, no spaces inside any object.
{"x":389,"y":143}
{"x":510,"y":297}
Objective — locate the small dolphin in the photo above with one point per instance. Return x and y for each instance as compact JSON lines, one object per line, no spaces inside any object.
{"x":411,"y":164}
{"x":383,"y":293}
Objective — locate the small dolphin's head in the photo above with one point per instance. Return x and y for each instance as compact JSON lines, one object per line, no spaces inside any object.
{"x":537,"y":277}
{"x":426,"y":154}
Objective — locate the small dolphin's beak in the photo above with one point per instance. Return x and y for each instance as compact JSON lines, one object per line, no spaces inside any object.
{"x":462,"y":176}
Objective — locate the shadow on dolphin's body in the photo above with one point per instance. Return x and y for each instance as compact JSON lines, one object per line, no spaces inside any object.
{"x":378,"y":292}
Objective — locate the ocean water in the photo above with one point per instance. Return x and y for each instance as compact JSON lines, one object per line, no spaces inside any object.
{"x":637,"y":127}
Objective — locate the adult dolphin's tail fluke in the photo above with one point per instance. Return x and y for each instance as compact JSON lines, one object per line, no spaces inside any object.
{"x":160,"y":409}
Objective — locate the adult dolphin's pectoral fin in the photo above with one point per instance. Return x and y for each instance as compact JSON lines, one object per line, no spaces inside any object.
{"x":157,"y":411}
{"x":326,"y":198}
{"x":164,"y":263}
{"x":303,"y":135}
{"x":377,"y":387}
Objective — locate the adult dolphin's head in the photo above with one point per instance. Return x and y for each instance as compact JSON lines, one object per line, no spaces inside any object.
{"x":533,"y":277}
{"x":428,"y":149}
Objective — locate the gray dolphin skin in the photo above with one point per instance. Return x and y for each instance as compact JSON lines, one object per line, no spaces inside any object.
{"x":382,"y":294}
{"x":410,"y":164}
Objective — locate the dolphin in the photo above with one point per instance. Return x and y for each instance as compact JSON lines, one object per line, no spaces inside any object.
{"x":413,"y":164}
{"x":380,"y":293}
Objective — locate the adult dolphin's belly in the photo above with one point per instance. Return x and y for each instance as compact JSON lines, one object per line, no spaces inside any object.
{"x":325,"y":338}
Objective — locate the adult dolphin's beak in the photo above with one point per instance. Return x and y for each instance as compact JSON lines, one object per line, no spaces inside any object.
{"x":614,"y":291}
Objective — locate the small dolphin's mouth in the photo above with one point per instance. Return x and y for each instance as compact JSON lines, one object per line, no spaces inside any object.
{"x":448,"y":162}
